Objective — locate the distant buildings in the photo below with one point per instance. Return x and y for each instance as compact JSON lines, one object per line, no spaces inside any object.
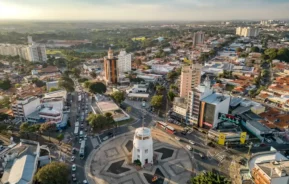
{"x":110,"y":68}
{"x":247,"y":31}
{"x":124,"y":62}
{"x":33,"y":52}
{"x":198,"y":38}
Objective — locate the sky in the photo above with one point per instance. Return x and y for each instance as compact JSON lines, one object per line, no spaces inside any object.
{"x":144,"y":10}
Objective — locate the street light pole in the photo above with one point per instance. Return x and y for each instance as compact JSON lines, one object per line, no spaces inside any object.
{"x":250,"y":146}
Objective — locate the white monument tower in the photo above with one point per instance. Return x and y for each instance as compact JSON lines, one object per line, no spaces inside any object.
{"x":143,"y":146}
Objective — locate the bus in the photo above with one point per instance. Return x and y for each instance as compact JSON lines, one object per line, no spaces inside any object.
{"x":82,"y":150}
{"x":162,"y":125}
{"x":170,"y":130}
{"x":76,"y":130}
{"x":76,"y":124}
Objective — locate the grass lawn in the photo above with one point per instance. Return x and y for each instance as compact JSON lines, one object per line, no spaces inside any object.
{"x":125,"y":122}
{"x":53,"y":51}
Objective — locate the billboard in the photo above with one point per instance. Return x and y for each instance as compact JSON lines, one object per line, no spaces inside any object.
{"x":243,"y":137}
{"x":222,"y":138}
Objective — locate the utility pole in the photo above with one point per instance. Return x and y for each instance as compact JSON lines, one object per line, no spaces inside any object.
{"x":250,"y":147}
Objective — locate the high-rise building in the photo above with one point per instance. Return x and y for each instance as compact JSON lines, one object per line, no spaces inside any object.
{"x":143,"y":146}
{"x":247,"y":31}
{"x":194,"y":99}
{"x":38,"y":53}
{"x":190,"y":78}
{"x":124,"y":62}
{"x":110,"y":68}
{"x":198,"y":38}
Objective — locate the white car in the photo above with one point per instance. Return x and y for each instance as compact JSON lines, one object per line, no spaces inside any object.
{"x":191,"y":142}
{"x":73,"y":167}
{"x":105,"y":138}
{"x":72,"y":158}
{"x":177,"y":138}
{"x":85,"y":137}
{"x":85,"y":182}
{"x":80,"y":140}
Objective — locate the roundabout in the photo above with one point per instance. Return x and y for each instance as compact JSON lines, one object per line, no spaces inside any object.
{"x":112,"y":163}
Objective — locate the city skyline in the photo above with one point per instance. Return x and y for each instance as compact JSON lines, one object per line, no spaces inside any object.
{"x":144,"y":10}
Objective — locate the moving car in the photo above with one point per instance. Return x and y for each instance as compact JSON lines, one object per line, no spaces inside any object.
{"x":189,"y":147}
{"x":177,"y":138}
{"x":201,"y":155}
{"x":73,"y":167}
{"x":72,"y":158}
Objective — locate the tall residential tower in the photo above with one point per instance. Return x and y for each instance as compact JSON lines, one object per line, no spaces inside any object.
{"x":110,"y":68}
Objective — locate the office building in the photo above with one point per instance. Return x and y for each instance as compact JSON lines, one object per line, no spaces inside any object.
{"x":247,"y":31}
{"x":190,"y":78}
{"x":143,"y":146}
{"x":195,"y":96}
{"x":124,"y":62}
{"x":23,"y":107}
{"x":110,"y":68}
{"x":210,"y":107}
{"x":198,"y":38}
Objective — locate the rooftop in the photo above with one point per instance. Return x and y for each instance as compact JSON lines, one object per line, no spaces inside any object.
{"x":143,"y":131}
{"x":275,"y":169}
{"x":107,"y":106}
{"x":215,"y":98}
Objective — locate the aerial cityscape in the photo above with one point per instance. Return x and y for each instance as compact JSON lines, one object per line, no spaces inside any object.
{"x":144,"y":92}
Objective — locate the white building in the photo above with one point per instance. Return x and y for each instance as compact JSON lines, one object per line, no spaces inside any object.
{"x":22,"y":108}
{"x":124,"y":62}
{"x":210,"y":108}
{"x":143,"y":146}
{"x":198,"y":38}
{"x":137,"y":88}
{"x":37,"y":53}
{"x":247,"y":31}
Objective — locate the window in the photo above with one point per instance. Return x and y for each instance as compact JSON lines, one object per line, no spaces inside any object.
{"x":146,"y":151}
{"x":138,"y":156}
{"x":137,"y":150}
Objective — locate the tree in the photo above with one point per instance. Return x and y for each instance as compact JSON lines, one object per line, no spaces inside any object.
{"x":38,"y":83}
{"x":5,"y":102}
{"x":109,"y":119}
{"x":271,"y":53}
{"x":76,"y":72}
{"x":81,"y":80}
{"x":160,"y":89}
{"x":171,"y":95}
{"x":156,"y":101}
{"x":5,"y":84}
{"x":47,"y":127}
{"x":17,"y":85}
{"x":209,"y":177}
{"x":172,"y":75}
{"x":93,"y":74}
{"x":118,"y":96}
{"x":173,"y":87}
{"x":97,"y":121}
{"x":86,"y":84}
{"x":239,"y":49}
{"x":60,"y":137}
{"x":53,"y":89}
{"x":66,"y":83}
{"x":55,"y":172}
{"x":24,"y":128}
{"x":97,"y":87}
{"x":255,"y":49}
{"x":128,"y":109}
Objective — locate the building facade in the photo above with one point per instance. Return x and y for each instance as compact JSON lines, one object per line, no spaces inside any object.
{"x":22,"y":108}
{"x":247,"y":31}
{"x":198,"y":38}
{"x":110,"y":68}
{"x":124,"y":62}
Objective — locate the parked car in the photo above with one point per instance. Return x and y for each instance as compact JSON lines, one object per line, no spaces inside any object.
{"x":201,"y":155}
{"x":72,"y":158}
{"x":177,"y":138}
{"x":189,"y":147}
{"x":73,"y":151}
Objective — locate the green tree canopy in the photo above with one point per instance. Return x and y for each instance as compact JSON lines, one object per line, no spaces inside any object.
{"x":255,"y":49}
{"x":38,"y":83}
{"x":156,"y":101}
{"x":53,"y":89}
{"x":76,"y":72}
{"x":5,"y":84}
{"x":160,"y":89}
{"x":55,"y":172}
{"x":60,"y":137}
{"x":171,"y":95}
{"x":5,"y":102}
{"x":97,"y":87}
{"x":24,"y":127}
{"x":97,"y":121}
{"x":118,"y":96}
{"x":209,"y":177}
{"x":66,"y":83}
{"x":81,"y":80}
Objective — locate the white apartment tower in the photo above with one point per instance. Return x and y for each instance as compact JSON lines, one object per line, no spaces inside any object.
{"x":38,"y":53}
{"x":143,"y":146}
{"x":198,"y":38}
{"x":247,"y":31}
{"x":124,"y":62}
